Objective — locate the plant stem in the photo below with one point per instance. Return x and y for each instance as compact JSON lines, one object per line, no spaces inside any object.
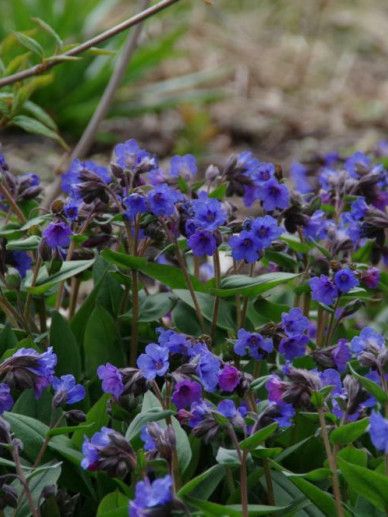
{"x":320,"y":326}
{"x":332,"y":463}
{"x":268,"y":482}
{"x":26,"y":488}
{"x":217,"y":273}
{"x":33,"y":282}
{"x":246,"y":299}
{"x":306,"y":304}
{"x":242,"y":456}
{"x":79,"y":49}
{"x":16,"y":210}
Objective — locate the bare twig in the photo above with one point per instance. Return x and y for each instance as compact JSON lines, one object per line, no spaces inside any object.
{"x":79,"y":49}
{"x":87,"y":138}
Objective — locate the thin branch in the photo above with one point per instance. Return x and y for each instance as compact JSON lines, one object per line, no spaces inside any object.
{"x":79,"y":49}
{"x":87,"y":138}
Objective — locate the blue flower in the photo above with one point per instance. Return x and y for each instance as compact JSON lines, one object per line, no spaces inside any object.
{"x":368,"y":338}
{"x":112,"y":379}
{"x":135,"y":204}
{"x":245,"y":247}
{"x":21,"y":261}
{"x":208,"y":212}
{"x":128,"y":156}
{"x":358,"y":209}
{"x":57,"y":235}
{"x":72,"y":176}
{"x":341,"y":355}
{"x":6,"y":400}
{"x":148,"y":441}
{"x":253,"y":343}
{"x":263,"y":172}
{"x":316,"y":226}
{"x":91,"y":448}
{"x":295,"y":346}
{"x":161,"y":200}
{"x":378,"y":432}
{"x":331,"y":377}
{"x":208,"y":369}
{"x":67,"y":391}
{"x":298,"y":174}
{"x":287,"y":412}
{"x":154,"y":362}
{"x":184,"y":166}
{"x":227,"y":408}
{"x":294,"y":323}
{"x":356,"y":162}
{"x":175,"y":342}
{"x":149,"y":495}
{"x":71,"y":209}
{"x":323,"y":290}
{"x":202,"y":242}
{"x":345,"y":280}
{"x":266,"y":230}
{"x":274,"y":195}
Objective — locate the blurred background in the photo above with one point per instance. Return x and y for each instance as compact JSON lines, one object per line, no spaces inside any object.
{"x":285,"y":79}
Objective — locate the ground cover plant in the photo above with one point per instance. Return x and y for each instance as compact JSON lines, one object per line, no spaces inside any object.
{"x":163,"y":354}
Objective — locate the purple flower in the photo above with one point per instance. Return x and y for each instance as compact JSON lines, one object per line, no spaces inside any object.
{"x":341,"y":355}
{"x":208,"y":212}
{"x":378,"y":432}
{"x":323,"y":290}
{"x":57,"y":235}
{"x":185,"y":393}
{"x":150,"y":495}
{"x":135,"y":204}
{"x":371,"y":277}
{"x":67,"y":391}
{"x":368,"y":338}
{"x":198,"y":412}
{"x":6,"y":400}
{"x":355,"y":162}
{"x":154,"y":362}
{"x":207,"y":370}
{"x":161,"y":200}
{"x":295,"y":346}
{"x":274,"y":195}
{"x":71,"y":209}
{"x":112,"y":379}
{"x":128,"y":156}
{"x":294,"y":323}
{"x":331,"y":377}
{"x":185,"y":166}
{"x":266,"y":230}
{"x":275,"y":388}
{"x":202,"y":242}
{"x":345,"y":280}
{"x":253,"y":343}
{"x":27,"y":368}
{"x":229,"y":378}
{"x":245,"y":247}
{"x":21,"y":261}
{"x":316,"y":226}
{"x":72,"y":176}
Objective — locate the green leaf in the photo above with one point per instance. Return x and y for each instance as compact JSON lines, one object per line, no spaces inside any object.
{"x":39,"y":114}
{"x":65,"y":346}
{"x":102,"y":342}
{"x":28,"y":243}
{"x":367,"y":483}
{"x":295,"y":244}
{"x":353,"y":455}
{"x":373,"y":388}
{"x":47,"y":28}
{"x":203,"y":486}
{"x":114,"y":504}
{"x":206,"y":303}
{"x":219,"y":192}
{"x":68,"y":270}
{"x":168,"y":275}
{"x":29,"y":43}
{"x":247,"y":286}
{"x":260,"y":436}
{"x":320,"y":498}
{"x":143,"y":418}
{"x":227,"y":457}
{"x":34,"y":126}
{"x":66,"y":429}
{"x":211,"y":509}
{"x":153,"y":307}
{"x":266,"y":452}
{"x":349,"y":432}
